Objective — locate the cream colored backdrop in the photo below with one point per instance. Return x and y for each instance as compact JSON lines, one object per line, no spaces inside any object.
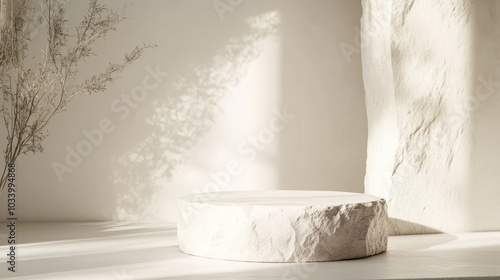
{"x":207,"y":102}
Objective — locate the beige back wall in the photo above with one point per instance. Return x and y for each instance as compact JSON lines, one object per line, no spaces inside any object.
{"x":204,"y":111}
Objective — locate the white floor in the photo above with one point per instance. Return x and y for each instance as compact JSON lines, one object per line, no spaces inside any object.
{"x":133,"y":251}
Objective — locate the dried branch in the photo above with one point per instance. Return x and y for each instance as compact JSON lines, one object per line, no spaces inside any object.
{"x":32,"y":96}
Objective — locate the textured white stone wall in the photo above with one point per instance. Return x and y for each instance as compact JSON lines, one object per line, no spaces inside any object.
{"x":430,"y":71}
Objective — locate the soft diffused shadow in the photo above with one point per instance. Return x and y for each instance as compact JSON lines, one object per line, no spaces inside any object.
{"x":483,"y":104}
{"x":179,"y":120}
{"x":324,"y":147}
{"x":402,"y":227}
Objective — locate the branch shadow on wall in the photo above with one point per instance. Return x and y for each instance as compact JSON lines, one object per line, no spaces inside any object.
{"x":187,"y":111}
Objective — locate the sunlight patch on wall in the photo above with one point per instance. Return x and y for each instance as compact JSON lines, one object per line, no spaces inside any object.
{"x":193,"y":127}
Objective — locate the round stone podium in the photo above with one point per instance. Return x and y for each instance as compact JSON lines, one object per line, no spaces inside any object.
{"x":282,"y":225}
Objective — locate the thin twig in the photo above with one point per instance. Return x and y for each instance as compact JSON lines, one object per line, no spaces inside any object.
{"x":33,"y":96}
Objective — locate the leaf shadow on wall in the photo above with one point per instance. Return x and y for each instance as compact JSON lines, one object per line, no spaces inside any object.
{"x":186,"y":112}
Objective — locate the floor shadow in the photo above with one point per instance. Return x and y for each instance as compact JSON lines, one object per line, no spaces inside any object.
{"x":154,"y":254}
{"x":29,"y":233}
{"x":402,"y":227}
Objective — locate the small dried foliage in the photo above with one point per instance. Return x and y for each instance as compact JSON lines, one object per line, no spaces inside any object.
{"x":32,"y":95}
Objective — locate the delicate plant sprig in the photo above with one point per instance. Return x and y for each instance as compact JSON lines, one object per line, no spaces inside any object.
{"x":32,"y":95}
